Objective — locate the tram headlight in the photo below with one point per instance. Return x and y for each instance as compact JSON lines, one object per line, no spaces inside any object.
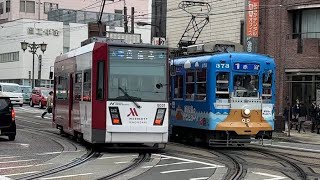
{"x":247,"y":112}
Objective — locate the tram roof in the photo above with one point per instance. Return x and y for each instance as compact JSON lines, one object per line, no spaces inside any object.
{"x":240,"y":57}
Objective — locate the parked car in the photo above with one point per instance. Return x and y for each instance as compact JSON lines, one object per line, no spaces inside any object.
{"x":13,"y":91}
{"x":39,"y":96}
{"x":7,"y":119}
{"x":26,"y":92}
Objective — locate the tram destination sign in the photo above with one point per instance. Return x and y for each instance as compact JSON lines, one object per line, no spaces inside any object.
{"x":129,"y":53}
{"x":246,"y":66}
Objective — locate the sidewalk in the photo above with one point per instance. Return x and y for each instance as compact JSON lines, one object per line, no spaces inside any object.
{"x":307,"y":138}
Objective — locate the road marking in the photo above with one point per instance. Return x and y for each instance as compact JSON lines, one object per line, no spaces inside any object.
{"x":184,"y":170}
{"x":21,"y":144}
{"x":28,"y":121}
{"x":26,"y":166}
{"x":165,"y":158}
{"x":16,"y":167}
{"x":58,"y":152}
{"x":114,"y":157}
{"x":200,"y":178}
{"x":32,"y":172}
{"x":273,"y":177}
{"x":9,"y":157}
{"x":67,"y":176}
{"x":44,"y":117}
{"x":146,"y":167}
{"x":123,"y":162}
{"x":26,"y":160}
{"x":162,"y":165}
{"x":4,"y":178}
{"x":295,"y":148}
{"x":192,"y":161}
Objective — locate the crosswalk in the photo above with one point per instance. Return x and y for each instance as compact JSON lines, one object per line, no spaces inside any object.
{"x":35,"y":112}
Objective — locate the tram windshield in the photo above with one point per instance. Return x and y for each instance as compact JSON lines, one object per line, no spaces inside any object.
{"x":138,"y":72}
{"x":246,"y":85}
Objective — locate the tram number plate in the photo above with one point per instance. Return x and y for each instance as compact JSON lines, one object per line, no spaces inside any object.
{"x":161,"y":105}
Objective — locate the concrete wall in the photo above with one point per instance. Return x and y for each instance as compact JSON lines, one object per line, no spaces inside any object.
{"x":224,"y":23}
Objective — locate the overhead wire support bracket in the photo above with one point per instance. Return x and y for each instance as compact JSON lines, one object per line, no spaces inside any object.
{"x":199,"y":19}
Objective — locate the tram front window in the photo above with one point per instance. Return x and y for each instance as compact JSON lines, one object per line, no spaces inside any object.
{"x":137,"y":78}
{"x":246,"y":85}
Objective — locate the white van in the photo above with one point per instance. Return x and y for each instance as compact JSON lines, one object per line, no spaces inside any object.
{"x":13,"y":91}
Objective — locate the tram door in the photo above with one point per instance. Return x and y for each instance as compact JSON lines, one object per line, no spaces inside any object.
{"x":70,"y":99}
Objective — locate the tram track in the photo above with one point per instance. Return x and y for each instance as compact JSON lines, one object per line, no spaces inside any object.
{"x":299,"y":170}
{"x":236,"y":170}
{"x":136,"y":163}
{"x":90,"y":155}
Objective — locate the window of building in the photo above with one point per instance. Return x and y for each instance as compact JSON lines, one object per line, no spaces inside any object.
{"x":118,"y":17}
{"x":27,"y":6}
{"x":50,"y":7}
{"x":9,"y":57}
{"x":222,"y":87}
{"x":306,"y":23}
{"x":7,"y":6}
{"x":178,"y":87}
{"x":201,"y":84}
{"x":1,"y":8}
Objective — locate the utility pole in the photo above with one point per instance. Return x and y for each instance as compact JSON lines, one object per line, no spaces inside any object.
{"x":100,"y":17}
{"x":33,"y":49}
{"x":132,"y":20}
{"x":125,"y":11}
{"x":40,"y":65}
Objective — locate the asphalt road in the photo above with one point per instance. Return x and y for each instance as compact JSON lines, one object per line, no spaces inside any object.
{"x":35,"y":151}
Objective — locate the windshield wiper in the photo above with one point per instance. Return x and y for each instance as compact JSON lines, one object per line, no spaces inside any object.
{"x":129,"y":97}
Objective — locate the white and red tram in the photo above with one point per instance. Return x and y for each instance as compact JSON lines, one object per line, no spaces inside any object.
{"x":113,"y":93}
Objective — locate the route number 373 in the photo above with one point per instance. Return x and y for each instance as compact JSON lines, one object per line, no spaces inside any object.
{"x":222,"y":66}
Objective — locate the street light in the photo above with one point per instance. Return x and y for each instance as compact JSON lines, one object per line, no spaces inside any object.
{"x":148,"y":24}
{"x":33,"y":49}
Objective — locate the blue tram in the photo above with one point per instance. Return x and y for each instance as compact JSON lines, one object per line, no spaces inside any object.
{"x":222,"y":98}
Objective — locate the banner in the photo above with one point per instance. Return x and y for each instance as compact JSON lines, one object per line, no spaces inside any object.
{"x":252,"y":25}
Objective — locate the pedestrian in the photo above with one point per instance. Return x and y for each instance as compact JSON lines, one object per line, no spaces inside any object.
{"x":49,"y":104}
{"x":318,"y":119}
{"x":295,"y":115}
{"x":313,"y":111}
{"x":302,"y":117}
{"x":286,"y":116}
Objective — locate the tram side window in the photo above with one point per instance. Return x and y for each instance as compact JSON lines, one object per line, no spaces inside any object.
{"x":201,"y":84}
{"x":178,"y":87}
{"x":62,"y":89}
{"x":266,"y":86}
{"x":190,"y":80}
{"x":78,"y":87}
{"x":100,"y":81}
{"x":87,"y":85}
{"x":222,"y":87}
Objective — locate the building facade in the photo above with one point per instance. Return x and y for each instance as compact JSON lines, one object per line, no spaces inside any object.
{"x":290,"y":32}
{"x":38,"y":9}
{"x":67,"y":27}
{"x":225,"y":21}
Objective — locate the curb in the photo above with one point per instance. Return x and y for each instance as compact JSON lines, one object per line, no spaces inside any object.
{"x":288,"y":139}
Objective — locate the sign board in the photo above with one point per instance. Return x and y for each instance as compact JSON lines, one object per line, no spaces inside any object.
{"x":252,"y":25}
{"x":129,"y":53}
{"x":41,"y":31}
{"x":246,"y":66}
{"x":128,"y":38}
{"x":159,"y":41}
